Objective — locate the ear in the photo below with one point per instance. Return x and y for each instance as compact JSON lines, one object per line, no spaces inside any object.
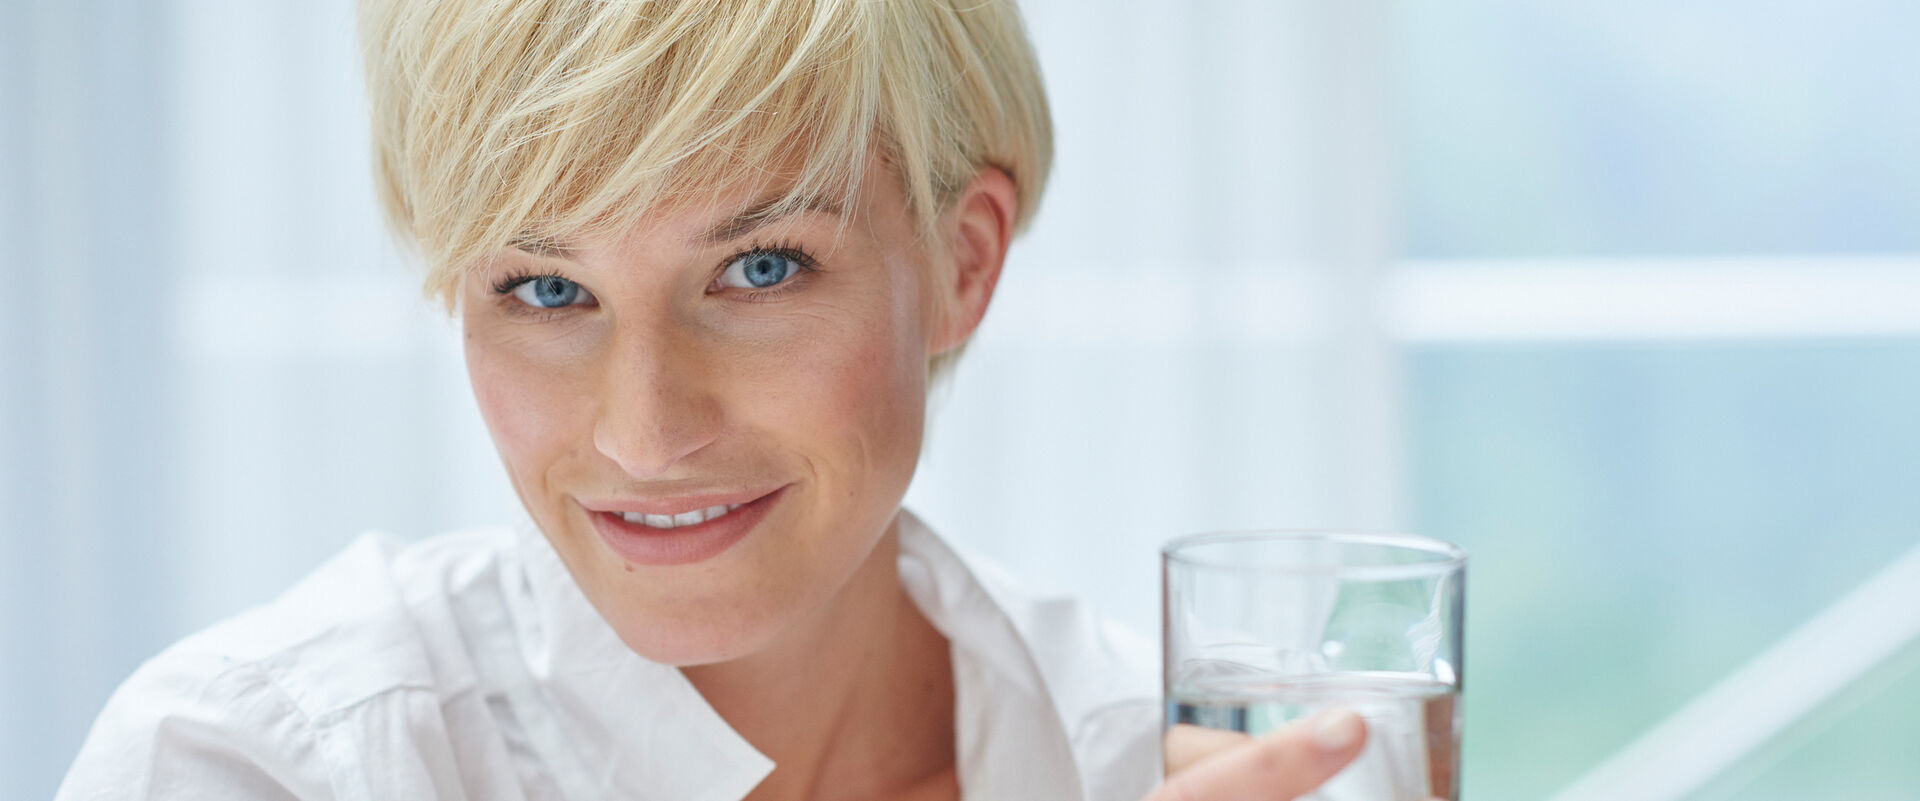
{"x":976,"y":231}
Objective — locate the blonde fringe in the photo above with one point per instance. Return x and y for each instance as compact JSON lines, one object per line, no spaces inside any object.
{"x":499,"y":122}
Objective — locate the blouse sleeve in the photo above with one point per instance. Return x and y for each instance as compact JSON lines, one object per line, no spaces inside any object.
{"x":197,"y":726}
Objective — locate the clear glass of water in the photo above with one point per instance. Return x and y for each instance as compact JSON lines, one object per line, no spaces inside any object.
{"x":1265,"y":627}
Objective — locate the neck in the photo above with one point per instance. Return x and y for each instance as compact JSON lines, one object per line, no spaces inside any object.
{"x":854,"y":704}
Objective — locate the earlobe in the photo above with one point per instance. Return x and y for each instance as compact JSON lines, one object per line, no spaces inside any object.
{"x":978,"y":230}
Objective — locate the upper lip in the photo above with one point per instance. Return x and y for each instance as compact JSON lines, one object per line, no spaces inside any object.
{"x":678,"y":504}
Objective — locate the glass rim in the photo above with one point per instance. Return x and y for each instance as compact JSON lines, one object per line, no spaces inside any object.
{"x":1450,"y":557}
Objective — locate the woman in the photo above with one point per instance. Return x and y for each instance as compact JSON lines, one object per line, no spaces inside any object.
{"x":707,"y":257}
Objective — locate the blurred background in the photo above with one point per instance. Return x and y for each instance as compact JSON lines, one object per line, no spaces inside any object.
{"x":1623,"y":296}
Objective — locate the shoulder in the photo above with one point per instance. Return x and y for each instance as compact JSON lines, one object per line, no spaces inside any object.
{"x":253,"y":706}
{"x":1102,"y":677}
{"x":1090,"y":661}
{"x":367,"y":621}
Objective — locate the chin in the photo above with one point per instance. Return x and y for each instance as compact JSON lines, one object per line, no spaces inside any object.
{"x":782,"y":579}
{"x":691,"y":655}
{"x":695,"y":648}
{"x":683,"y":639}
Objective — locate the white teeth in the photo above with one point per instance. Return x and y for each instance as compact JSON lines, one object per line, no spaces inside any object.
{"x":692,"y":518}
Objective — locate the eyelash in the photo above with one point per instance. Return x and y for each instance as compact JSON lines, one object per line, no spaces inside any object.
{"x":503,"y":292}
{"x":512,"y":281}
{"x":805,"y":261}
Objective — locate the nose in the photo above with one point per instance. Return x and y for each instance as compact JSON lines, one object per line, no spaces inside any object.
{"x":657,"y":402}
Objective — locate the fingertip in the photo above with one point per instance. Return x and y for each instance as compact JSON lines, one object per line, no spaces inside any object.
{"x":1336,"y":731}
{"x":1185,"y":744}
{"x":1285,"y":763}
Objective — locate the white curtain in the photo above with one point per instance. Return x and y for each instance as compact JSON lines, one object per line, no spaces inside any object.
{"x":1186,"y":341}
{"x":218,"y":371}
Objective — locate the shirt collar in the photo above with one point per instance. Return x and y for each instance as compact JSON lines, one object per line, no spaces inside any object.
{"x":626,"y":720}
{"x":1009,"y":735}
{"x":631,"y":728}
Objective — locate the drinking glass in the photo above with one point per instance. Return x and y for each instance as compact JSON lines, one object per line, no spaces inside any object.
{"x":1266,"y":627}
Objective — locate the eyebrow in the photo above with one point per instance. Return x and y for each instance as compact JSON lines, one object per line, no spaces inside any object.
{"x":761,"y":213}
{"x":539,"y":247}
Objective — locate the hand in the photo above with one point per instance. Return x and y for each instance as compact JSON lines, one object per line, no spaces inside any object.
{"x":1214,"y":765}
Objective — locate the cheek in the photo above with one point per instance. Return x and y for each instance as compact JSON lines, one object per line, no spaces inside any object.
{"x":840,"y":390}
{"x":527,"y":406}
{"x":867,"y":390}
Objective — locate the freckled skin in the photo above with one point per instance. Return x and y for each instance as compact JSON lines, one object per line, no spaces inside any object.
{"x":672,"y":378}
{"x":666,"y":386}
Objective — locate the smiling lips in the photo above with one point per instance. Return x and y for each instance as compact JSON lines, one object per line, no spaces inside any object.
{"x":652,"y":533}
{"x":692,"y":518}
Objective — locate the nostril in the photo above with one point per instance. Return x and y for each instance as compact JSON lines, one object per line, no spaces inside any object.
{"x":648,"y":450}
{"x":647,"y":423}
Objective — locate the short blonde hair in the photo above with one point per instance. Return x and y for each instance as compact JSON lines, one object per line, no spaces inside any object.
{"x":505,"y":122}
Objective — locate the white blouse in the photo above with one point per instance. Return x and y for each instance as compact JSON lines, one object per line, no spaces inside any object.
{"x":470,"y":666}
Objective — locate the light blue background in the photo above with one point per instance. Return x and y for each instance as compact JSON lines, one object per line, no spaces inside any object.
{"x":216,"y":372}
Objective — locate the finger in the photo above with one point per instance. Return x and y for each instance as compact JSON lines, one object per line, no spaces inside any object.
{"x":1284,"y":764}
{"x":1186,"y":744}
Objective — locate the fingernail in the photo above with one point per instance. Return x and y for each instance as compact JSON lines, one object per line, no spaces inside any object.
{"x":1335,"y":729}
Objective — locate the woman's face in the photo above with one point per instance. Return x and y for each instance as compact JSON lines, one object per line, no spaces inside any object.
{"x":770,"y":377}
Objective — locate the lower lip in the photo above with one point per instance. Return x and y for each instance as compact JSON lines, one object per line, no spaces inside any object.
{"x":683,"y":545}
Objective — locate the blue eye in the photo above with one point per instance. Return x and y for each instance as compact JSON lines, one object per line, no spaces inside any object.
{"x":551,"y":292}
{"x":759,"y":270}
